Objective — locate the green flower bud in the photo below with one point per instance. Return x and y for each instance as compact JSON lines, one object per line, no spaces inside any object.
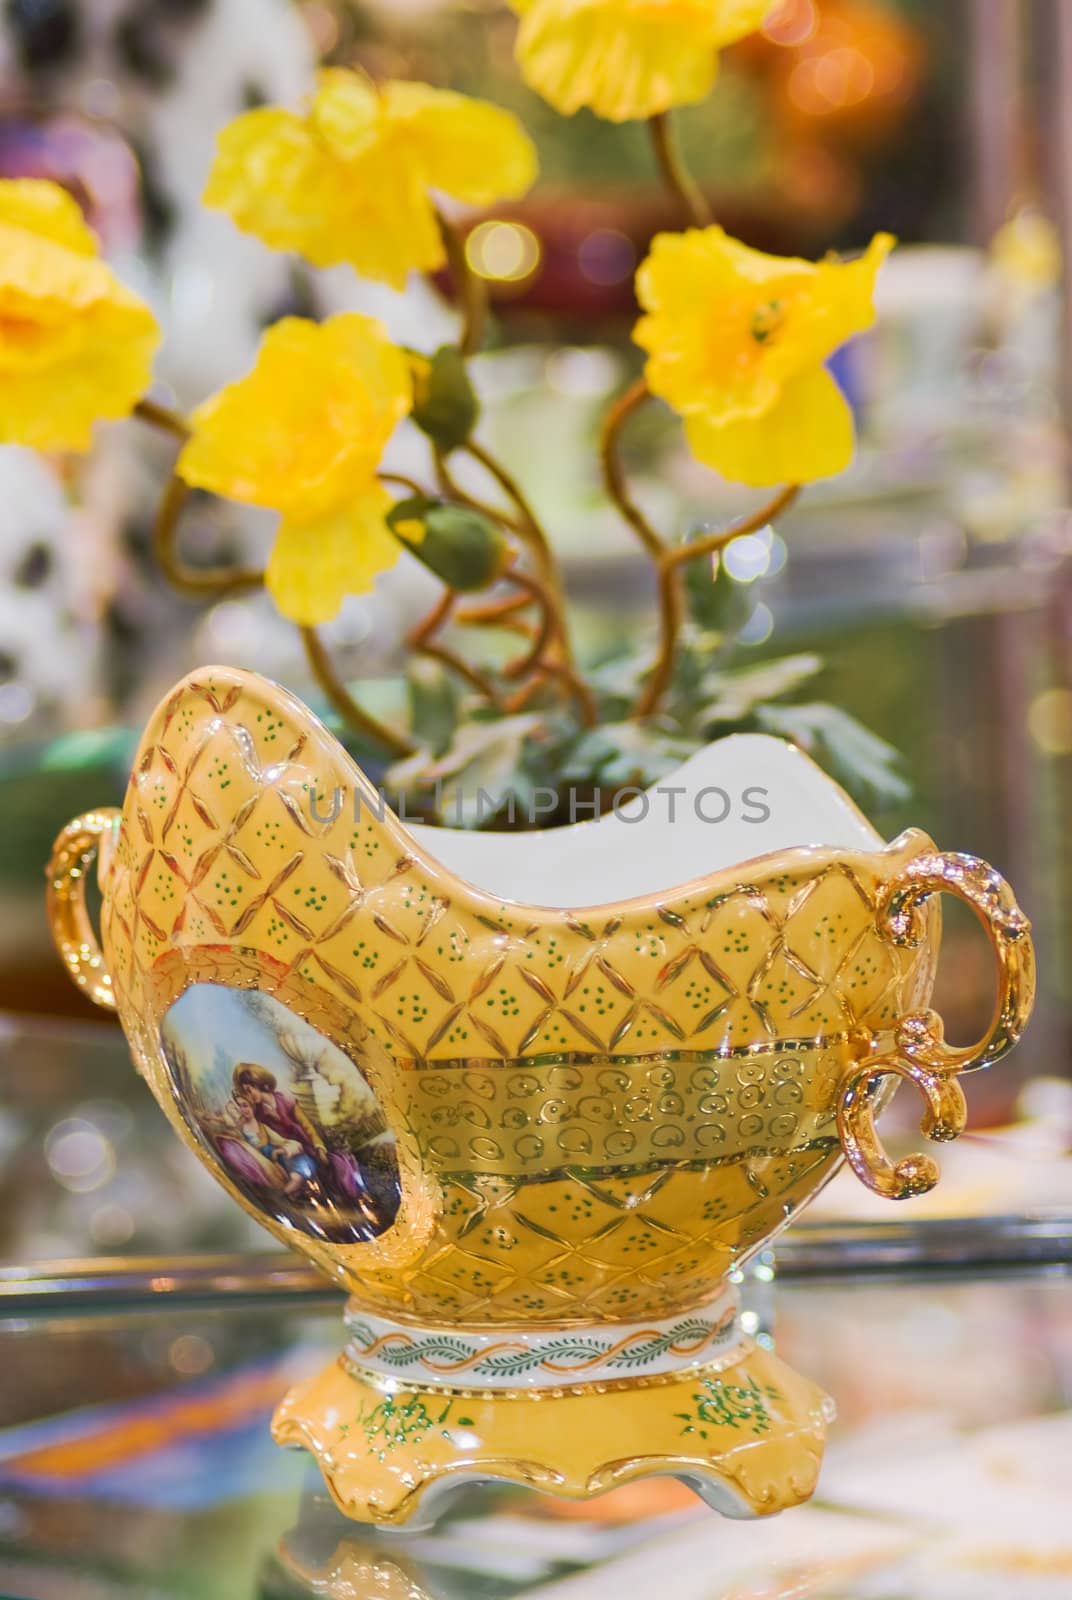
{"x":444,"y":403}
{"x":466,"y":550}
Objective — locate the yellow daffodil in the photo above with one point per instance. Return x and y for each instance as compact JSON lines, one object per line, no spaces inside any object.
{"x":736,"y":342}
{"x":76,"y":347}
{"x":303,"y":434}
{"x":628,"y":58}
{"x":352,"y":179}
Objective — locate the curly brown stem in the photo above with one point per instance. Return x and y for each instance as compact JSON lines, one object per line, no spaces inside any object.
{"x":715,"y":542}
{"x":528,"y":691}
{"x":668,"y":559}
{"x":545,"y":629}
{"x":198,"y":582}
{"x":614,"y":473}
{"x":671,"y":615}
{"x":529,"y":526}
{"x":536,"y":665}
{"x":424,"y":639}
{"x":344,"y":702}
{"x":470,"y":290}
{"x":675,"y":174}
{"x":578,"y":688}
{"x":524,"y":630}
{"x":472,"y":294}
{"x":542,"y":661}
{"x":671,"y":600}
{"x":494,"y":613}
{"x":450,"y":486}
{"x":409,"y":484}
{"x":557,"y":671}
{"x":162,"y":417}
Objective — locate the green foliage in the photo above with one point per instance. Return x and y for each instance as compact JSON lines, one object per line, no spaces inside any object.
{"x":623,"y":755}
{"x":484,"y":776}
{"x":727,"y":698}
{"x":434,"y":705}
{"x":862,"y":762}
{"x":716,"y":604}
{"x":480,"y":770}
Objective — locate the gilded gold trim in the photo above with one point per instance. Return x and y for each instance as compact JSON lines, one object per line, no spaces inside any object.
{"x":919,"y":1054}
{"x":73,"y":855}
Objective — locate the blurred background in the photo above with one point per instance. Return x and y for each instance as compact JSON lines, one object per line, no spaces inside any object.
{"x":935,"y":578}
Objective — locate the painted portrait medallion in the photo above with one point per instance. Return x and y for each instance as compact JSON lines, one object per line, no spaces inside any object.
{"x":290,"y":1119}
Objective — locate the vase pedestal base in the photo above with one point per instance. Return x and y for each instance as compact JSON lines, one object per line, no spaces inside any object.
{"x":745,"y":1432}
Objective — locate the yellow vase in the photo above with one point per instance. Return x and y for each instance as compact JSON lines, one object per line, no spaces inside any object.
{"x":528,"y":1100}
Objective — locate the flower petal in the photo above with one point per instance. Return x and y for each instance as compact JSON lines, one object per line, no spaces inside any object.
{"x":53,"y":406}
{"x":76,"y":345}
{"x":736,"y":19}
{"x":314,"y":565}
{"x":700,"y":289}
{"x":46,"y":283}
{"x":728,"y":326}
{"x":318,"y":188}
{"x":308,"y":423}
{"x":349,"y":181}
{"x":807,"y":434}
{"x":470,"y":149}
{"x":347,"y":112}
{"x":271,"y":177}
{"x":48,"y":211}
{"x":627,"y":58}
{"x":842,"y":301}
{"x":383,"y":224}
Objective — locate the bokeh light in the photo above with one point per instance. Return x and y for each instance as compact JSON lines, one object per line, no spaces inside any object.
{"x":190,"y":1355}
{"x":111,"y":1226}
{"x":505,"y":252}
{"x":748,"y":558}
{"x":79,"y":1156}
{"x":606,"y":256}
{"x":831,"y":82}
{"x":759,"y":627}
{"x":792,"y":23}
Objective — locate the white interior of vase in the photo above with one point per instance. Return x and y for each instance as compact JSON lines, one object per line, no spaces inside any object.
{"x":741,"y":797}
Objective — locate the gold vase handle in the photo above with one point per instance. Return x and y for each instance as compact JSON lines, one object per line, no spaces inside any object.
{"x":919,"y":1054}
{"x":73,"y":855}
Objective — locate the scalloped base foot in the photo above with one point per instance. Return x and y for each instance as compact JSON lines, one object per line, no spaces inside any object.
{"x":747,"y":1437}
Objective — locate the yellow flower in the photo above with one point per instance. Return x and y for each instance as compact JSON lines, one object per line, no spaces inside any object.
{"x":303,"y":434}
{"x":75,"y":345}
{"x":736,"y":342}
{"x":628,"y":58}
{"x":352,"y":179}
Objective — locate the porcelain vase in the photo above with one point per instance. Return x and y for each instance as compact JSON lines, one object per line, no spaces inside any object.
{"x":531,"y":1098}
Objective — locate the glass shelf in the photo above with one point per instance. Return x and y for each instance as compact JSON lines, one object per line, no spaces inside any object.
{"x":957,"y":1249}
{"x":135,"y":1458}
